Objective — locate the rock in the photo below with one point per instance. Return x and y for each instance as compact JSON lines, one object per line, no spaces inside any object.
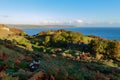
{"x":53,"y":55}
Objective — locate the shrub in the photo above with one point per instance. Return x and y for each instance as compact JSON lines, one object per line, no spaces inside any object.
{"x":23,"y":65}
{"x":9,"y":77}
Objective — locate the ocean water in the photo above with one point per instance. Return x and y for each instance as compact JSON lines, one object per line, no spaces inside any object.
{"x":109,"y":33}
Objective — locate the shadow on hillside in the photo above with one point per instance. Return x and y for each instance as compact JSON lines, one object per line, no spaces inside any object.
{"x":10,"y":45}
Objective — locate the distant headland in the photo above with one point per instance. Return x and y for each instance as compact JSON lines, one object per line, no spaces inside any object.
{"x":39,"y":26}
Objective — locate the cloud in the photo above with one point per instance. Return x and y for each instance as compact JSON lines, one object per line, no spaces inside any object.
{"x":67,"y":22}
{"x":50,"y":22}
{"x":79,"y":21}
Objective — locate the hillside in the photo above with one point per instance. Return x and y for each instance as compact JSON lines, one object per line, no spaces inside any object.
{"x":5,"y":31}
{"x":58,"y":55}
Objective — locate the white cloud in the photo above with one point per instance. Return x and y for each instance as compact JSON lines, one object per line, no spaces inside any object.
{"x":67,"y":22}
{"x":50,"y":22}
{"x":79,"y":21}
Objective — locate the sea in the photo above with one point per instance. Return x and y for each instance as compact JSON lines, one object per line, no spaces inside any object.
{"x":111,"y":33}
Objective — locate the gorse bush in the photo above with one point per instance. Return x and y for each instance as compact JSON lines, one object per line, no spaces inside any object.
{"x":9,"y":77}
{"x":106,"y":47}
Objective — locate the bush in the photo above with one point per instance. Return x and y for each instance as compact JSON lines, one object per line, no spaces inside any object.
{"x":9,"y":77}
{"x":23,"y":65}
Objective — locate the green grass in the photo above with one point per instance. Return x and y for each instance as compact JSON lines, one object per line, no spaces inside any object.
{"x":6,"y":50}
{"x":82,"y":69}
{"x":86,"y":39}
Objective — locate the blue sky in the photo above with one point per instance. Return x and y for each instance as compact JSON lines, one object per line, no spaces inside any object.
{"x":79,"y":12}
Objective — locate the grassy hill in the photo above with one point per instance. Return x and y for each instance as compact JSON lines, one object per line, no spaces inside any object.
{"x":58,"y":55}
{"x":6,"y":31}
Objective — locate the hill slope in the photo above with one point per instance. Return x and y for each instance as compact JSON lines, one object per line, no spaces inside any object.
{"x":58,"y":55}
{"x":5,"y":31}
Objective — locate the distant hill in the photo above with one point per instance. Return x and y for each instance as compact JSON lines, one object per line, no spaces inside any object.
{"x":40,"y":26}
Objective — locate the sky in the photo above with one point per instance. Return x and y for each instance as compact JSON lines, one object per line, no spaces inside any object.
{"x":73,"y":12}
